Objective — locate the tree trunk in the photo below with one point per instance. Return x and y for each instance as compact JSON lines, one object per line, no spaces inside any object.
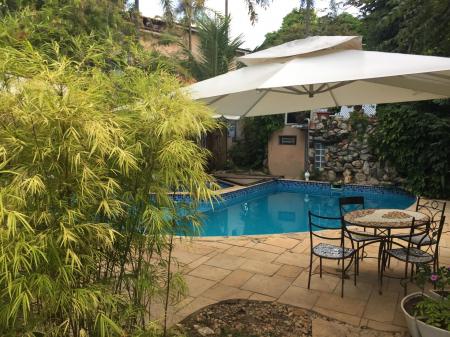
{"x":226,"y":8}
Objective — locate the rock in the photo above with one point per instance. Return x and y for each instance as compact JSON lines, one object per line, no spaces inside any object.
{"x":366,"y":168}
{"x":348,"y":179}
{"x":357,"y":164}
{"x":365,"y":156}
{"x":373,"y":181}
{"x":360,"y":177}
{"x":347,"y":173}
{"x":205,"y":331}
{"x":348,"y":166}
{"x":331,"y":176}
{"x":319,"y":126}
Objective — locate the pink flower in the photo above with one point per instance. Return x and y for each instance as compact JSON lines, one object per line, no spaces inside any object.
{"x":434,"y":277}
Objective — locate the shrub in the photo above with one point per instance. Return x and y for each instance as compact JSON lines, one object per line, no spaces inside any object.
{"x":88,"y":164}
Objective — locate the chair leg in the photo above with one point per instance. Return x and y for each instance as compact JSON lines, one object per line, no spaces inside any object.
{"x":383,"y":261}
{"x":320,"y":267}
{"x":356,"y":270}
{"x":362,"y":252}
{"x":342,"y":278}
{"x":310,"y":268}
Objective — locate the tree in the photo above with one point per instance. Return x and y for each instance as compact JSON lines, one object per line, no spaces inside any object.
{"x":308,"y":5}
{"x":216,"y":50}
{"x":294,"y":27}
{"x":410,"y":26}
{"x":189,"y":11}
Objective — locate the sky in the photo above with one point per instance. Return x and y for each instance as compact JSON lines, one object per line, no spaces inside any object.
{"x":269,"y":20}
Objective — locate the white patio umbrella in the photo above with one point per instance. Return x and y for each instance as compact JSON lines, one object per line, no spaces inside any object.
{"x":320,"y":72}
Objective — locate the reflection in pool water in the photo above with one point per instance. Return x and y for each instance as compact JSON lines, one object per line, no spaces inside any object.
{"x":283,"y":208}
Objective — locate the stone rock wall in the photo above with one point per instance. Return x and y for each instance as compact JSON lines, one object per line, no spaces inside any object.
{"x":348,"y":158}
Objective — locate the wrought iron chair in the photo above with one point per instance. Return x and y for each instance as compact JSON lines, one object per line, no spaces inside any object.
{"x":329,"y":251}
{"x":435,"y":210}
{"x":362,"y":238}
{"x":412,"y":251}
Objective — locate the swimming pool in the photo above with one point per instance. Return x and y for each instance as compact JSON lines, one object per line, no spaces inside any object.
{"x":282,"y":206}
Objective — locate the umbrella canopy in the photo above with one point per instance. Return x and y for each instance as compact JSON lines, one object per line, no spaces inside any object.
{"x":320,"y":72}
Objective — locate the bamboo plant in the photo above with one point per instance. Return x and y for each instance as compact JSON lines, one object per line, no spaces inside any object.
{"x":89,"y":163}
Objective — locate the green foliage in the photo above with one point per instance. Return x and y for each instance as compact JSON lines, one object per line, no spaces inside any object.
{"x":433,"y":311}
{"x":89,"y":159}
{"x":359,"y":123}
{"x":252,"y":150}
{"x":408,"y":26}
{"x":414,"y":138}
{"x":216,"y":50}
{"x":294,"y":27}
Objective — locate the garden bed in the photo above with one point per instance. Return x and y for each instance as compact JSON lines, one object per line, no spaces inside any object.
{"x":245,"y":318}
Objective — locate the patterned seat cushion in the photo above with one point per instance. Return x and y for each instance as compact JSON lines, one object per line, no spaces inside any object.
{"x":415,"y":255}
{"x":423,"y":240}
{"x":330,"y":251}
{"x":359,"y":236}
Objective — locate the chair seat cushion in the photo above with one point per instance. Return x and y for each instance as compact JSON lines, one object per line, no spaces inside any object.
{"x":415,"y":255}
{"x":422,"y":240}
{"x":359,"y":236}
{"x":331,"y":251}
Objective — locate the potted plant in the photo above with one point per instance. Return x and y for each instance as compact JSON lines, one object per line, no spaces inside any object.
{"x":428,"y":314}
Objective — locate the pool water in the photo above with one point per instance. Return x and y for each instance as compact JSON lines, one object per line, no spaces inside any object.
{"x":282,"y":207}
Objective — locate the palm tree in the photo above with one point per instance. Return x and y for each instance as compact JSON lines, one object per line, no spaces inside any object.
{"x":217,"y":51}
{"x":190,"y":10}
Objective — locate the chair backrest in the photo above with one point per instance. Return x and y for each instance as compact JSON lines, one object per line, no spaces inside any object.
{"x":317,"y":225}
{"x":435,"y":209}
{"x":420,"y":230}
{"x":347,"y":204}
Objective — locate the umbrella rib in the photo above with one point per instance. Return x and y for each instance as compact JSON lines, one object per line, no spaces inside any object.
{"x":215,"y":100}
{"x":332,"y":95}
{"x":256,"y":102}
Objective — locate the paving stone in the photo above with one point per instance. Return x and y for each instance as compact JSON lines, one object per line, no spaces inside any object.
{"x":197,"y":304}
{"x":269,"y":248}
{"x":299,"y":297}
{"x":259,"y":255}
{"x":289,"y":271}
{"x":324,"y":328}
{"x":236,"y":251}
{"x":287,"y":243}
{"x":226,"y":261}
{"x":271,"y":286}
{"x":260,"y":267}
{"x":197,"y":285}
{"x":222,"y":292}
{"x":345,"y":305}
{"x":384,"y":326}
{"x":350,"y":319}
{"x":294,"y":259}
{"x":361,"y":291}
{"x":387,"y":301}
{"x":218,"y":245}
{"x":260,"y":297}
{"x":237,"y":278}
{"x":328,"y":283}
{"x":194,"y":264}
{"x":210,"y":272}
{"x":185,"y":257}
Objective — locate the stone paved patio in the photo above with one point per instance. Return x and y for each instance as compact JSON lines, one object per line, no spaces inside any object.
{"x":275,"y":268}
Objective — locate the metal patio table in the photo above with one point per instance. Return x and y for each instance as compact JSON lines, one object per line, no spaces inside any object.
{"x":385,"y":221}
